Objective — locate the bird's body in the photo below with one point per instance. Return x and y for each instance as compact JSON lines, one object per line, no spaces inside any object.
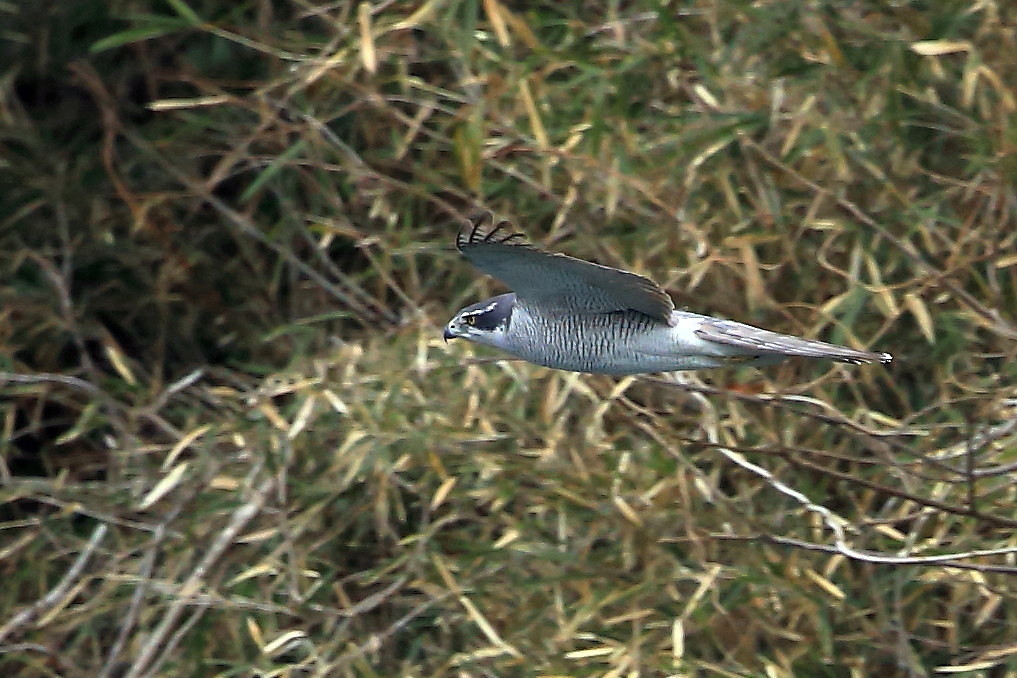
{"x":575,"y":315}
{"x":623,"y":342}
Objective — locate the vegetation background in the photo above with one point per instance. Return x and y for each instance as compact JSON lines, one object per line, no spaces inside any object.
{"x":234,"y":442}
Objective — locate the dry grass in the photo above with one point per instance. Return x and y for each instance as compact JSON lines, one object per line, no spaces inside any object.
{"x":235,"y":444}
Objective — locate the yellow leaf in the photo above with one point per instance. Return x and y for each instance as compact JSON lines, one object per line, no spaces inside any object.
{"x":182,"y":444}
{"x":83,"y":423}
{"x":939,"y":47}
{"x":283,"y":642}
{"x":493,"y":9}
{"x":442,"y":492}
{"x":885,"y":296}
{"x":1005,"y":262}
{"x":520,"y":28}
{"x":506,"y":539}
{"x":164,"y":486}
{"x":119,"y":362}
{"x":965,"y":668}
{"x":422,"y":15}
{"x":627,"y":511}
{"x":536,"y":124}
{"x":255,"y":632}
{"x":826,"y":584}
{"x":367,"y":52}
{"x":921,"y":314}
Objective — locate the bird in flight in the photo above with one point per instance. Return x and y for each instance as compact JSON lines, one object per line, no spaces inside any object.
{"x":571,"y":314}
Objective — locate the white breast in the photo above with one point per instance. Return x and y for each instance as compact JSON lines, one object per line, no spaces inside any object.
{"x":613,"y":343}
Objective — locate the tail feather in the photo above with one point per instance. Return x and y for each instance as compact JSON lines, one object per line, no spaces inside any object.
{"x":765,"y":342}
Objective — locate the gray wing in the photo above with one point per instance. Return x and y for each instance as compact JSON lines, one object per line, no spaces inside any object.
{"x":557,"y":282}
{"x":765,"y":342}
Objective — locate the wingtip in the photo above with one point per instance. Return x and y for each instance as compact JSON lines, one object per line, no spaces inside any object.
{"x":469,"y":227}
{"x":481,"y":227}
{"x":884,"y":358}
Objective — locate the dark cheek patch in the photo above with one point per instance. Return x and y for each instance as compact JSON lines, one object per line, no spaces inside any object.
{"x":489,"y":315}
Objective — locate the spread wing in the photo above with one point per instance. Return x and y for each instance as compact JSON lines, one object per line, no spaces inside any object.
{"x":766,"y":342}
{"x":556,"y":282}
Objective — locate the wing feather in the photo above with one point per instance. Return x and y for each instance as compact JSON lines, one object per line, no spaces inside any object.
{"x":557,"y":282}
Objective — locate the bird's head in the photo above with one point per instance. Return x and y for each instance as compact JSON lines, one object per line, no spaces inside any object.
{"x":486,"y":322}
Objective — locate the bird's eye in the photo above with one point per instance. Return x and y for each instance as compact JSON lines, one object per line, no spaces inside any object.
{"x":471,"y":320}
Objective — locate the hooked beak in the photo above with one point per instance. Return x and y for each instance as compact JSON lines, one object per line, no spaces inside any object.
{"x":447,"y":334}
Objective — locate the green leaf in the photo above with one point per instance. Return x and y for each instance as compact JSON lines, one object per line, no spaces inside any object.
{"x":185,"y":12}
{"x":132,"y":35}
{"x":281,"y":161}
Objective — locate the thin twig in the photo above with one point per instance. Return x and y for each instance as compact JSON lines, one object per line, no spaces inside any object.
{"x":157,"y":641}
{"x":55,"y":594}
{"x":946,"y":560}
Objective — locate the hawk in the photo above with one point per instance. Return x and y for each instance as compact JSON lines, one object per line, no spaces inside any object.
{"x":571,"y":314}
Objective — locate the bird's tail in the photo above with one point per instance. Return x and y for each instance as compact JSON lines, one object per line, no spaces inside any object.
{"x":765,"y":342}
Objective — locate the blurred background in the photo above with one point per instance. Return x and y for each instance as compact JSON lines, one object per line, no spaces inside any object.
{"x":234,"y":442}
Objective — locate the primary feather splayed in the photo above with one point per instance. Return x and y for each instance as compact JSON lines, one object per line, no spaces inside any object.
{"x":571,"y":314}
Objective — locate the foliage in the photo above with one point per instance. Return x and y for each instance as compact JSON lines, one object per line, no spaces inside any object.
{"x":235,"y":444}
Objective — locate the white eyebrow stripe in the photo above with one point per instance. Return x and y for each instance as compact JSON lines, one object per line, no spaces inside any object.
{"x":481,"y":311}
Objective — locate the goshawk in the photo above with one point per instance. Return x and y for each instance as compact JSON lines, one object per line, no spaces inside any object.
{"x":575,"y":315}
